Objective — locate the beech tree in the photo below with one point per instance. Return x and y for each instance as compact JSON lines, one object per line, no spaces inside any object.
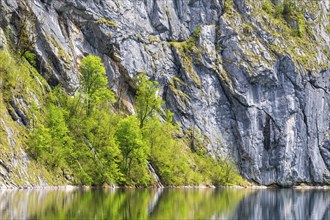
{"x":134,"y":149}
{"x":94,"y":81}
{"x":147,"y":100}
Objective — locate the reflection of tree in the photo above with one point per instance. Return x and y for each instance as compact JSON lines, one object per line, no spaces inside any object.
{"x":119,"y":204}
{"x":155,"y":200}
{"x":197,"y":203}
{"x":77,"y":204}
{"x":165,"y":204}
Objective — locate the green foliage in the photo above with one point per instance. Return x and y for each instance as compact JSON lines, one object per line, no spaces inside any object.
{"x":294,"y":15}
{"x":178,"y":163}
{"x":31,"y":58}
{"x":99,"y":135}
{"x":228,"y":6}
{"x":40,"y":141}
{"x":94,"y":82}
{"x":268,"y":7}
{"x":60,"y":51}
{"x":147,"y":101}
{"x":77,"y":136}
{"x":189,"y":54}
{"x":168,"y":155}
{"x":19,"y":79}
{"x":294,"y":31}
{"x":135,"y":151}
{"x":153,"y":39}
{"x":25,"y":33}
{"x":220,"y":171}
{"x":247,"y":30}
{"x":190,"y":44}
{"x":69,"y":139}
{"x":51,"y":142}
{"x":8,"y":73}
{"x":279,"y":8}
{"x":107,"y":22}
{"x":93,"y":72}
{"x":196,"y":141}
{"x":288,"y":8}
{"x":300,"y":29}
{"x":291,"y":14}
{"x":81,"y":138}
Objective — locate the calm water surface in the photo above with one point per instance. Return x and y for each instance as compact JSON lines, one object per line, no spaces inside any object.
{"x":165,"y":204}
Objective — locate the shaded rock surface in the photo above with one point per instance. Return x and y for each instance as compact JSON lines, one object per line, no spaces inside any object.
{"x":255,"y":93}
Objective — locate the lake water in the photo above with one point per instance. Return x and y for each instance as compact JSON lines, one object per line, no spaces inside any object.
{"x":116,"y":204}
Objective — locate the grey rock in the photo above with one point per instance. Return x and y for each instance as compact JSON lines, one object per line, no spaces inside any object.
{"x":254,"y":103}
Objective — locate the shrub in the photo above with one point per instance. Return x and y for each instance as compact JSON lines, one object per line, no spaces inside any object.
{"x":107,"y":22}
{"x":288,"y":8}
{"x":267,"y":7}
{"x":278,"y":10}
{"x":31,"y":58}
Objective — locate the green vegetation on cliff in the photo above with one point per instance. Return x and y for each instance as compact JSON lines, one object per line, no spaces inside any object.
{"x":288,"y":22}
{"x":82,"y":139}
{"x":292,"y":14}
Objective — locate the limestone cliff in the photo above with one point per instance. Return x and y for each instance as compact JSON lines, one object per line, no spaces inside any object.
{"x":251,"y":76}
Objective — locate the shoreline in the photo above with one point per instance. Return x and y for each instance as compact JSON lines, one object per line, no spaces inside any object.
{"x":114,"y":187}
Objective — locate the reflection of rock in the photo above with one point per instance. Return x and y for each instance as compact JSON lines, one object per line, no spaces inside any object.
{"x":166,"y":204}
{"x":155,"y":200}
{"x":27,"y":204}
{"x":285,"y":204}
{"x":156,"y":177}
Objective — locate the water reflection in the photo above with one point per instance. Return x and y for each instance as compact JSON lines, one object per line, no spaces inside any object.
{"x":285,"y":204}
{"x":165,"y":204}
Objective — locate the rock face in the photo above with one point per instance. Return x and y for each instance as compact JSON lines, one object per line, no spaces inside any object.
{"x":254,"y":83}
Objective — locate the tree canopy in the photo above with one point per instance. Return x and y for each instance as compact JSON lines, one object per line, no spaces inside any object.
{"x":94,"y":81}
{"x":148,"y":103}
{"x":83,"y":138}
